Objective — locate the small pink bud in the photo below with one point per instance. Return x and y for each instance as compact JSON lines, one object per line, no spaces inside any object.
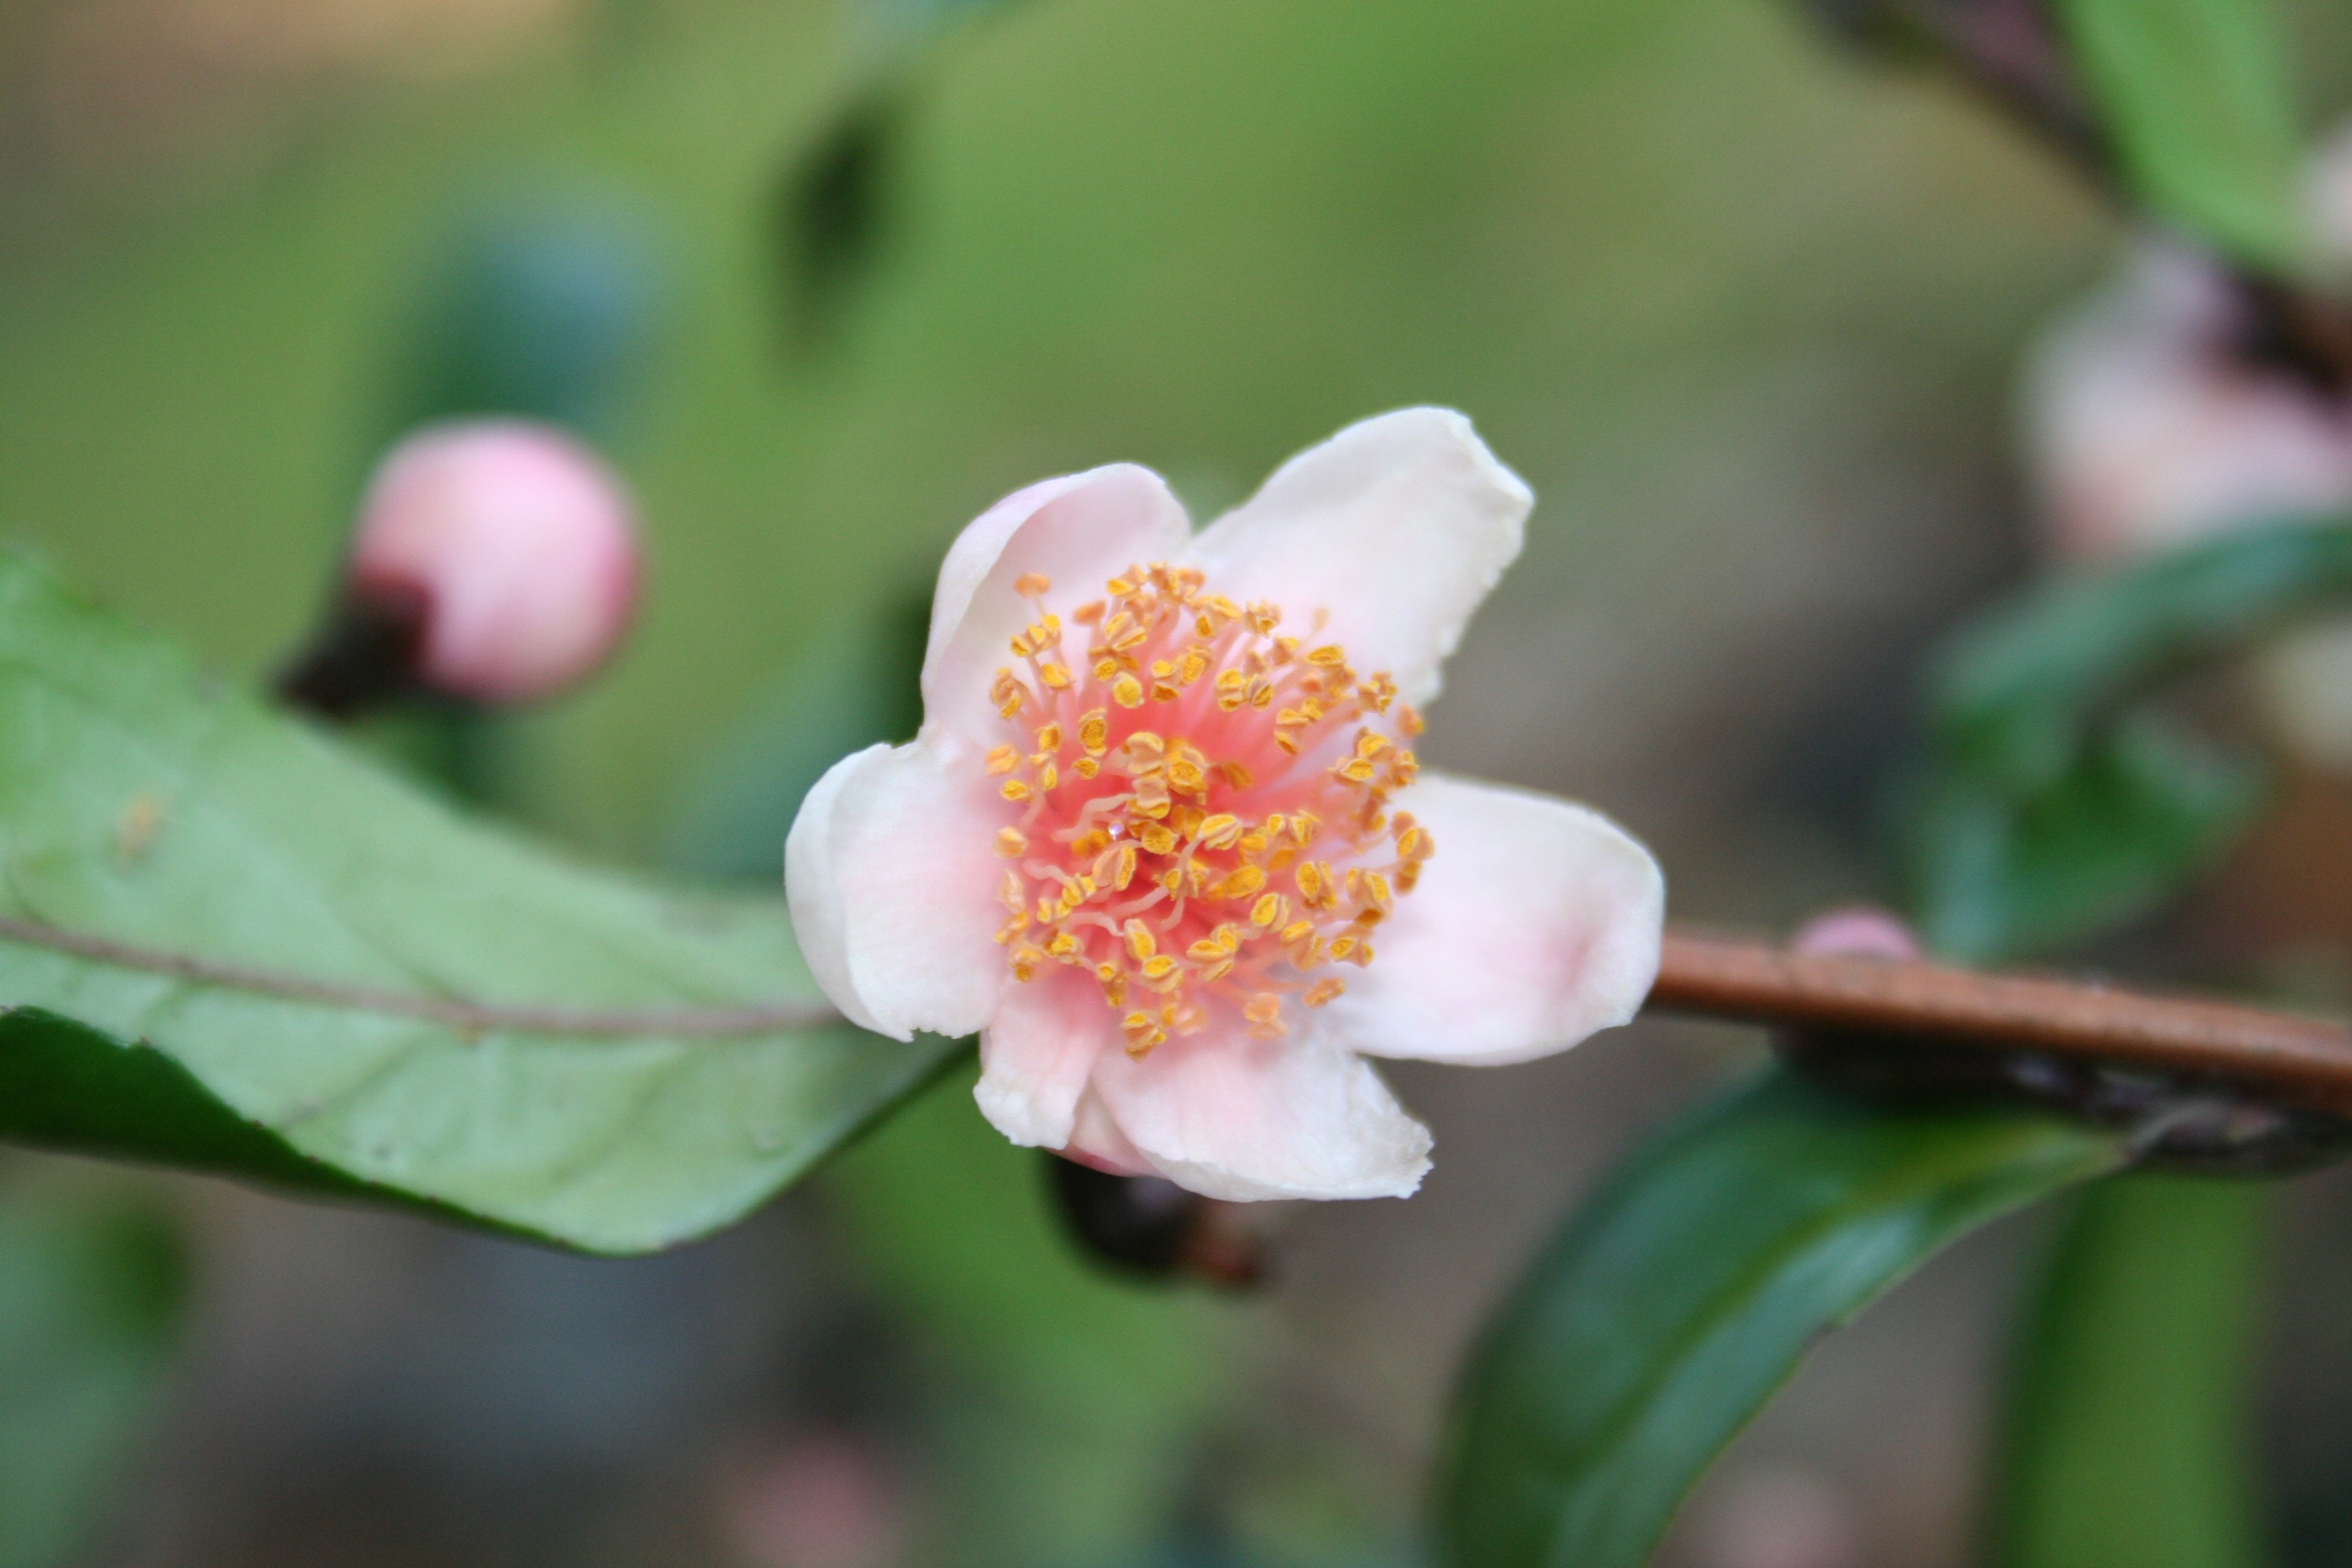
{"x":1858,"y":930}
{"x":517,"y":547}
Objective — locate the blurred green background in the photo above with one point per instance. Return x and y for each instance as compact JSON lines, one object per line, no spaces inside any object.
{"x":1743,"y":309}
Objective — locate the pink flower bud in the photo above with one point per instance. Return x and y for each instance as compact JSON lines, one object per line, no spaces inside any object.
{"x":516,"y":545}
{"x":1858,"y":930}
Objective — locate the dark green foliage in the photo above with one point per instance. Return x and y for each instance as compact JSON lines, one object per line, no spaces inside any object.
{"x":2129,"y":1432}
{"x":2054,"y":804}
{"x":1679,"y":1298}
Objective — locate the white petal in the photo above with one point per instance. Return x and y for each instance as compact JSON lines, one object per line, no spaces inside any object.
{"x":1080,"y":531}
{"x":1396,"y":527}
{"x":1535,"y":923}
{"x":891,"y":872}
{"x":1240,"y":1119}
{"x":1035,"y":1055}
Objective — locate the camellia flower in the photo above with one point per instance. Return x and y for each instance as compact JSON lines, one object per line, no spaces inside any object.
{"x":1164,"y":842}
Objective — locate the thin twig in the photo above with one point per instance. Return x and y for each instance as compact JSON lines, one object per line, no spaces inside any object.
{"x":473,"y":1017}
{"x":2294,"y":1059}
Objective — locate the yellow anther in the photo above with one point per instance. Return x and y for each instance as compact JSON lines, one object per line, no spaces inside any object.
{"x":1127,"y":692}
{"x":1057,"y":676}
{"x":1063,"y":945}
{"x":1187,"y":775}
{"x":1124,"y":872}
{"x":1012,"y":843}
{"x":1049,"y":738}
{"x":1048,"y":912}
{"x":1021,"y":645}
{"x":1409,"y":719}
{"x":1355,"y":770}
{"x":1194,"y":665}
{"x":1029,"y":584}
{"x":1049,"y":776}
{"x":1151,"y":798}
{"x":1003,"y":759}
{"x":1145,"y":745}
{"x":1221,"y":831}
{"x":1105,"y":667}
{"x":1139,"y":940}
{"x":1163,"y":671}
{"x":1094,"y":731}
{"x":1368,"y":744}
{"x":1323,"y":991}
{"x":1142,"y":1032}
{"x":1245,"y":881}
{"x":1025,"y":960}
{"x":1269,"y":909}
{"x":1303,"y":826}
{"x":1014,"y":789}
{"x":1409,"y":842}
{"x":1012,"y":928}
{"x":1156,"y":837}
{"x":1265,"y":1015}
{"x":1362,"y":956}
{"x":1296,"y":932}
{"x":1331,"y":656}
{"x":1404,"y":768}
{"x":1160,"y":970}
{"x":1341,"y":947}
{"x":1376,"y":891}
{"x":1085,"y":767}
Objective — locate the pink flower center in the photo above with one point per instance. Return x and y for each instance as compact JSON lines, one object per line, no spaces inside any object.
{"x":1199,"y":807}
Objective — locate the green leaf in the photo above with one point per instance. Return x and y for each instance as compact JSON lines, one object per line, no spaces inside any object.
{"x":90,"y":1300}
{"x":2130,"y":1435}
{"x":145,"y":806}
{"x":1679,"y":1298}
{"x":2054,"y":805}
{"x":2196,"y":101}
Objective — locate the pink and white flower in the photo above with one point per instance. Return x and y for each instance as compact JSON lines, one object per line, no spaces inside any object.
{"x":1163,"y":840}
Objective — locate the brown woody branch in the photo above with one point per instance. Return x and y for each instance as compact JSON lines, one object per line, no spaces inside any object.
{"x":2286,"y":1057}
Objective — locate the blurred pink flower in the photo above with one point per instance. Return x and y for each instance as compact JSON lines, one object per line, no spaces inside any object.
{"x":1150,"y":856}
{"x":515,"y":543}
{"x":2151,"y":426}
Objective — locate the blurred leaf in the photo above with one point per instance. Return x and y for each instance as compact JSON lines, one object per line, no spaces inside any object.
{"x":2052,"y":806}
{"x":1680,"y":1296}
{"x":860,"y":685}
{"x":545,"y":307}
{"x":2197,"y":104}
{"x":142,"y":804}
{"x":2128,"y":1436}
{"x":1074,"y":1404}
{"x":89,"y":1299}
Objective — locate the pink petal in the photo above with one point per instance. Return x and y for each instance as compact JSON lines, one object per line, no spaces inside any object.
{"x":1035,"y":1055}
{"x":1396,"y":527}
{"x":891,"y":873}
{"x":1239,"y":1119}
{"x":1079,"y":530}
{"x":1535,"y":923}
